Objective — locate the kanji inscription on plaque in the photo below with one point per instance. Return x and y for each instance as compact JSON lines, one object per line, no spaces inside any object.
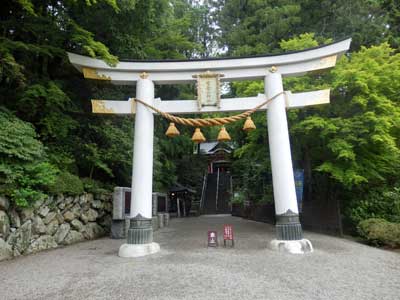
{"x":208,"y":89}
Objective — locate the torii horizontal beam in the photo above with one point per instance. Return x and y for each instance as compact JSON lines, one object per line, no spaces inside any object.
{"x":227,"y":105}
{"x":240,"y":68}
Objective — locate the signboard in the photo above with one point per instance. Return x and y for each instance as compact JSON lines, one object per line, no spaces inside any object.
{"x":228,"y":234}
{"x":212,"y":239}
{"x":299,"y":184}
{"x":208,"y":89}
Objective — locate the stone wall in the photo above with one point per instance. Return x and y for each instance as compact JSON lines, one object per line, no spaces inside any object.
{"x":52,"y":222}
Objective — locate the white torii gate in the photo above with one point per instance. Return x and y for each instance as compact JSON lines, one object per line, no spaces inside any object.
{"x":270,"y":68}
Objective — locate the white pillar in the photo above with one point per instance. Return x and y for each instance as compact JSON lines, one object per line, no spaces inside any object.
{"x":289,"y":235}
{"x":279,"y":147}
{"x":140,"y":232}
{"x":142,"y":172}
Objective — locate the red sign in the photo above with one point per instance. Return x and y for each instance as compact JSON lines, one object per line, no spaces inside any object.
{"x":212,"y":239}
{"x":228,"y":233}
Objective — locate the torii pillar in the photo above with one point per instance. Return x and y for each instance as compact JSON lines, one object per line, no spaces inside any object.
{"x":289,"y":235}
{"x":140,"y":232}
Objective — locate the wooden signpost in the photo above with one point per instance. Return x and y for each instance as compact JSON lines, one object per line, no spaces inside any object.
{"x":228,"y":235}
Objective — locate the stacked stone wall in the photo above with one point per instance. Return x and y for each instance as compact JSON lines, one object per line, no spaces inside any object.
{"x":52,"y":222}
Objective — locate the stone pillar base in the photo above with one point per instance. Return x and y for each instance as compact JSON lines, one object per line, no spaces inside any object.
{"x":288,"y":227}
{"x":138,"y":250}
{"x":139,"y":239}
{"x":293,"y":247}
{"x":140,"y":231}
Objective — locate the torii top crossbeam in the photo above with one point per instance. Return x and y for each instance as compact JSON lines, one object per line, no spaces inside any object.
{"x":241,"y":68}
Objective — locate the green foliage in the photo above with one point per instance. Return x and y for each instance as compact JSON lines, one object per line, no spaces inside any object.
{"x":238,"y":197}
{"x":172,"y":158}
{"x":84,"y":42}
{"x":67,"y":183}
{"x":27,"y":5}
{"x":95,"y":187}
{"x":251,"y":168}
{"x":304,"y":41}
{"x":164,"y":167}
{"x":358,"y":131}
{"x":45,"y":105}
{"x":145,"y":28}
{"x":392,"y":11}
{"x":18,"y":140}
{"x":25,"y":175}
{"x":193,"y":176}
{"x":11,"y":73}
{"x":112,"y":3}
{"x":364,"y":21}
{"x":258,"y":26}
{"x":105,"y":151}
{"x":29,"y":183}
{"x":254,"y":27}
{"x":383,"y":203}
{"x":380,"y":232}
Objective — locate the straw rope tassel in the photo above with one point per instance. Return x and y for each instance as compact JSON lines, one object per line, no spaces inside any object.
{"x":198,"y":136}
{"x":223,"y":135}
{"x":249,"y":124}
{"x":172,"y":131}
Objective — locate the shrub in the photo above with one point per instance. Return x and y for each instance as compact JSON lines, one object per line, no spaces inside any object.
{"x":380,"y":232}
{"x":238,"y":198}
{"x":381,"y":203}
{"x":25,"y":174}
{"x":68,"y":184}
{"x":94,"y":186}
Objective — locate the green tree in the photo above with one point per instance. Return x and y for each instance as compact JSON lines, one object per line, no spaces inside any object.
{"x":255,"y":26}
{"x":25,"y":174}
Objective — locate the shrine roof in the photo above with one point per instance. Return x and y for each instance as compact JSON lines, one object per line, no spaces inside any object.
{"x":208,"y":148}
{"x":181,"y":188}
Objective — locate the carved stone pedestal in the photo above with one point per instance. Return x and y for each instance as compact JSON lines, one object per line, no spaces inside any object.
{"x":139,"y":239}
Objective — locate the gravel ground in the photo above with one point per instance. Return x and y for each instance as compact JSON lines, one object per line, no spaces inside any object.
{"x":186,"y":269}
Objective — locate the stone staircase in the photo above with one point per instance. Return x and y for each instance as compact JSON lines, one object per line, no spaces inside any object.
{"x":213,"y":203}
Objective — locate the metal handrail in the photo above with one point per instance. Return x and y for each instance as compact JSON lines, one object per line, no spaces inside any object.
{"x":216,"y":193}
{"x":202,"y":192}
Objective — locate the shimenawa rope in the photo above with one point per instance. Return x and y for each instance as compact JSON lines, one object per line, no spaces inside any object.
{"x":209,"y":121}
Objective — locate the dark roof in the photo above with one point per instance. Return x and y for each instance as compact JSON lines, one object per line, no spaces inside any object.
{"x":180,"y":188}
{"x":214,"y":146}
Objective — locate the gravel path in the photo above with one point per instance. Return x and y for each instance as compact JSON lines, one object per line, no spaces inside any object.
{"x":186,"y":269}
